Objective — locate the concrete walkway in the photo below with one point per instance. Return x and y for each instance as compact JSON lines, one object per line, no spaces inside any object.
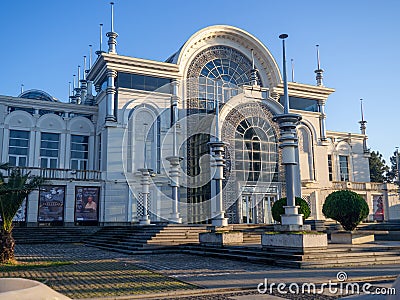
{"x":99,"y":274}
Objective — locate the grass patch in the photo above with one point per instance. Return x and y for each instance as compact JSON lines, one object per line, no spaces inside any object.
{"x":24,"y":266}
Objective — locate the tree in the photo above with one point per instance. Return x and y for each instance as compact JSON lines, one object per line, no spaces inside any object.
{"x":377,"y":167}
{"x":13,"y":191}
{"x":278,"y":208}
{"x":393,"y":172}
{"x":346,"y":207}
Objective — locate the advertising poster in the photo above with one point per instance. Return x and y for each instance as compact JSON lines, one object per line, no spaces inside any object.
{"x":86,"y":203}
{"x":20,"y":216}
{"x":378,"y":208}
{"x":51,"y":203}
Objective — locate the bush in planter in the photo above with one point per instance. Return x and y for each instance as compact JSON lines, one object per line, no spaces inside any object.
{"x":278,"y":208}
{"x":346,"y":207}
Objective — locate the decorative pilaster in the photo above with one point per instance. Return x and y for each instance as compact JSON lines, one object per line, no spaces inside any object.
{"x":322,"y":118}
{"x":111,"y":90}
{"x":83,"y":90}
{"x":145,"y":182}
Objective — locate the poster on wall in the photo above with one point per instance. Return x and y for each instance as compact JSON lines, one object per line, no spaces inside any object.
{"x":51,"y":203}
{"x":378,"y":208}
{"x":20,"y":216}
{"x":86,"y":203}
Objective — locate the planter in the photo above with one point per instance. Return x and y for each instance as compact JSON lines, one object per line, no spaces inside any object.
{"x":220,"y":238}
{"x":298,"y":242}
{"x":25,"y":289}
{"x":352,"y":238}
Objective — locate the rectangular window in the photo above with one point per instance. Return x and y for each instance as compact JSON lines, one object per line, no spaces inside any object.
{"x":79,"y":152}
{"x":330,"y":167}
{"x":49,"y":150}
{"x":99,"y":162}
{"x":344,"y":168}
{"x":18,"y":148}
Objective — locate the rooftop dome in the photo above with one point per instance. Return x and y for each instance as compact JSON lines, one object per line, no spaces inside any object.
{"x":38,"y":95}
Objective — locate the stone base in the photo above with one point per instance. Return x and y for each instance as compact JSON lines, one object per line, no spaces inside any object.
{"x":144,"y":222}
{"x":220,"y":238}
{"x":351,"y":238}
{"x":298,"y":242}
{"x":175,"y":218}
{"x":286,"y":228}
{"x":219,"y":222}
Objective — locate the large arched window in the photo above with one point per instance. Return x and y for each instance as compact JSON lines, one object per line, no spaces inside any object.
{"x":256,"y":153}
{"x":221,"y":71}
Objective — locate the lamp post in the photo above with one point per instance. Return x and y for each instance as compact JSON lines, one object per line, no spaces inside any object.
{"x":291,"y":220}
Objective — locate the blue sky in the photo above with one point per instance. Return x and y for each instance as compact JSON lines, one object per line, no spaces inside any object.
{"x":43,"y":42}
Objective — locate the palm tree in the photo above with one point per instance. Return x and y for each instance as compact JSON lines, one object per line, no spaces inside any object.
{"x":13,"y":191}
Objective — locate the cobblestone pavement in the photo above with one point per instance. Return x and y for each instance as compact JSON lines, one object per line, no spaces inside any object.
{"x":93,"y":272}
{"x":97,"y":274}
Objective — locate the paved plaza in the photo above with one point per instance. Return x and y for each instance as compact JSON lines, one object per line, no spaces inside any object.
{"x":95,"y":274}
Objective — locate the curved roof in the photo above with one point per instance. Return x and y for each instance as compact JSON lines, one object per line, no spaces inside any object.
{"x":235,"y":38}
{"x":38,"y":95}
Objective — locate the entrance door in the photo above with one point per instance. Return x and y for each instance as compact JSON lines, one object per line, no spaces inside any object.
{"x":268,"y":202}
{"x":247,"y":209}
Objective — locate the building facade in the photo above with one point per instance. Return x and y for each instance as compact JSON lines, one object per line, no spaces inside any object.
{"x":138,"y":145}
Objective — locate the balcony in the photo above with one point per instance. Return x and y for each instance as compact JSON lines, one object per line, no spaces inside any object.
{"x":63,"y":174}
{"x":358,"y":186}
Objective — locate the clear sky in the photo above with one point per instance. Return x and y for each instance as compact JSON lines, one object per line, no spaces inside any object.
{"x":43,"y":42}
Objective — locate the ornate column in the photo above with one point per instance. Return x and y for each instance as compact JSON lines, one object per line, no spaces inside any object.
{"x":145,"y":182}
{"x":175,"y":159}
{"x":110,"y":91}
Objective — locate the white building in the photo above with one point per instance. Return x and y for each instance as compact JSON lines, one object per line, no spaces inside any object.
{"x":101,"y":145}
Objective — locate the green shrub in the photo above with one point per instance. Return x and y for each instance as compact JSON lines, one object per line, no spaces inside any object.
{"x":346,"y":207}
{"x":278,"y":208}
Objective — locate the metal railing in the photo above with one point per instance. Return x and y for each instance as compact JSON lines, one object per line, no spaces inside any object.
{"x":62,"y":174}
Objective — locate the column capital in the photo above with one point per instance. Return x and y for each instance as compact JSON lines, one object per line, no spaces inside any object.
{"x":111,"y":73}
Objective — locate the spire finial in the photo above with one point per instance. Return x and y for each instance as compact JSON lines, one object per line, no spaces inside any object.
{"x":253,"y":71}
{"x":292,"y":62}
{"x":362,"y":111}
{"x":98,"y":52}
{"x":22,"y":88}
{"x":363,"y":128}
{"x":90,"y":57}
{"x":112,"y":42}
{"x":79,"y":74}
{"x":73,"y":82}
{"x":112,"y":16}
{"x":84,"y":68}
{"x":69,"y":88}
{"x":319,"y":71}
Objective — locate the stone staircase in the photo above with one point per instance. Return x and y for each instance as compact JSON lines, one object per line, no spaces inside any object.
{"x":53,"y":234}
{"x":334,"y":256}
{"x":145,"y":239}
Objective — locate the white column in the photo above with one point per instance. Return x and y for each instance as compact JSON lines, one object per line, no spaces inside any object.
{"x":110,"y":114}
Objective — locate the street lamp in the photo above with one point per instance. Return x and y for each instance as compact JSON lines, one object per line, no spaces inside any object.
{"x":291,"y":220}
